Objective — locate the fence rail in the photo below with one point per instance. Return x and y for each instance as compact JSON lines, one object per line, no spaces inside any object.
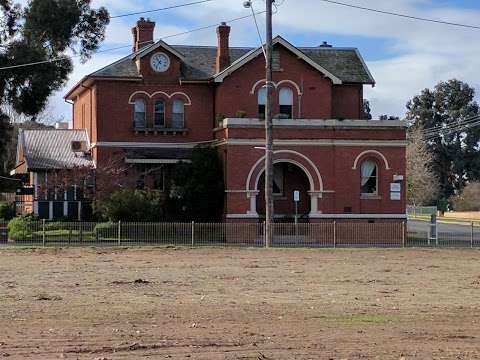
{"x":321,"y":235}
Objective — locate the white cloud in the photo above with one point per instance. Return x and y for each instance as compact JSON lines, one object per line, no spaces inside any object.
{"x":419,"y":54}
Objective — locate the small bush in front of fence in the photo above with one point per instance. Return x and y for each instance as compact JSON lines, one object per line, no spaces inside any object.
{"x":21,"y":228}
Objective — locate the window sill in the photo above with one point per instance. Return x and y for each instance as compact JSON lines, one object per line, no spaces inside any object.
{"x":370,"y":197}
{"x":161,"y":131}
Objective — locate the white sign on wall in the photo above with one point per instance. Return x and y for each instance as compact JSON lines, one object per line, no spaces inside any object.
{"x":395,"y":196}
{"x":395,"y":187}
{"x":296,"y":196}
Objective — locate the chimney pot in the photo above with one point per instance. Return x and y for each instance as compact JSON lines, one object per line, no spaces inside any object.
{"x":143,"y":34}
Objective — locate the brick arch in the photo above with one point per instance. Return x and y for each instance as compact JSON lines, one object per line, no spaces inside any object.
{"x":175,"y":95}
{"x":288,"y":156}
{"x":377,"y":155}
{"x":292,"y":84}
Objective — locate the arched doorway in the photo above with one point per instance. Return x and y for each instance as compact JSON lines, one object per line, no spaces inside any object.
{"x":288,"y":178}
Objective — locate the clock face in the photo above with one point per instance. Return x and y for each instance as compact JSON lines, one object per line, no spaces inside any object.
{"x":160,"y":62}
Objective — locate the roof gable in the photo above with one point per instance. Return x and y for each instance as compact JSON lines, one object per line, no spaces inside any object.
{"x":256,"y":52}
{"x":159,"y":44}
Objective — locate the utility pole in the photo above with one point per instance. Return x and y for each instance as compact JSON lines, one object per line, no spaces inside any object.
{"x":269,"y":211}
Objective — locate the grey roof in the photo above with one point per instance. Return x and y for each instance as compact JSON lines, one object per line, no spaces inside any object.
{"x":344,"y":63}
{"x":158,"y":153}
{"x":51,"y":149}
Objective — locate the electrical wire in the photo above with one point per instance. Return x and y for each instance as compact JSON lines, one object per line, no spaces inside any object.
{"x":262,"y":44}
{"x":412,"y":17}
{"x":128,"y":46}
{"x":451,"y":131}
{"x":160,"y":9}
{"x":449,"y":126}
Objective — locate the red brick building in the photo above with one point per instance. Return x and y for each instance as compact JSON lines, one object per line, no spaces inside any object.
{"x":154,"y":106}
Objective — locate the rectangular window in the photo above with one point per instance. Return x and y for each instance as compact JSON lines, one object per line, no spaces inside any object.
{"x":140,"y":114}
{"x":178,"y":116}
{"x":369,"y":185}
{"x":159,"y":114}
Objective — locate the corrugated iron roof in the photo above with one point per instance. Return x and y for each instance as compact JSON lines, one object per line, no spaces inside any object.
{"x":50,"y":149}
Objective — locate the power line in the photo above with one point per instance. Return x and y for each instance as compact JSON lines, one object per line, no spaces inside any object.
{"x":249,"y":4}
{"x":128,"y":46}
{"x":450,"y":126}
{"x":160,"y":9}
{"x":451,"y":130}
{"x":402,"y":15}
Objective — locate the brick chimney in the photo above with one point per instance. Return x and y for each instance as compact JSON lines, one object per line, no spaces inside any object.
{"x":143,"y":33}
{"x":223,"y":49}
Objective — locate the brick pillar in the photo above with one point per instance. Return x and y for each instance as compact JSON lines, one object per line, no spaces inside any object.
{"x":223,"y":48}
{"x":143,"y":34}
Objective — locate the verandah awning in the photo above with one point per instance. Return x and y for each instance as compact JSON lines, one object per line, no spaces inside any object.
{"x":157,"y":155}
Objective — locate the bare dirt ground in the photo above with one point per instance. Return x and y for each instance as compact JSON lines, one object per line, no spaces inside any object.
{"x":239,"y":304}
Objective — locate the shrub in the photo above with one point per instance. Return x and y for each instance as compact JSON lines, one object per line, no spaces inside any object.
{"x":21,"y":228}
{"x":7,"y":211}
{"x":131,"y":205}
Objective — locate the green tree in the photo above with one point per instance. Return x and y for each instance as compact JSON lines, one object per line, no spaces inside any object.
{"x":455,"y":154}
{"x":43,"y":31}
{"x":196,"y":189}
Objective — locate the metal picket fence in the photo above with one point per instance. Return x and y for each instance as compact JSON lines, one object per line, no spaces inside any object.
{"x":329,"y":234}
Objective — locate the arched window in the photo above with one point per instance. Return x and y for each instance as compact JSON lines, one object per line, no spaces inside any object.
{"x":178,"y":116}
{"x":286,"y":103}
{"x":140,"y":114}
{"x":159,"y":114}
{"x":262,"y":101}
{"x":369,"y":184}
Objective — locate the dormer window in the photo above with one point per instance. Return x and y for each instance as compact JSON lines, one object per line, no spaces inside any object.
{"x":178,"y":116}
{"x":159,"y":114}
{"x":140,"y":114}
{"x":286,"y":103}
{"x":262,"y":101}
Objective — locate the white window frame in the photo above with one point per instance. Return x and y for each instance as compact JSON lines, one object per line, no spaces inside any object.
{"x":362,"y":177}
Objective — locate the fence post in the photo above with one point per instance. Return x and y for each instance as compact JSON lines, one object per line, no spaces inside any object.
{"x":334,"y":234}
{"x":471,"y":235}
{"x":265,"y":234}
{"x":403,"y":233}
{"x":119,"y":233}
{"x":193,"y":234}
{"x":43,"y":232}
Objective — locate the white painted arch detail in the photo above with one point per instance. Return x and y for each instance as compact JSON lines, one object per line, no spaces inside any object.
{"x":277,"y":85}
{"x":307,"y":172}
{"x":375,"y":152}
{"x":169,"y":96}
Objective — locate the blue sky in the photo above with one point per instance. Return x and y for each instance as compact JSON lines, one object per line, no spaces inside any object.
{"x":404,"y":56}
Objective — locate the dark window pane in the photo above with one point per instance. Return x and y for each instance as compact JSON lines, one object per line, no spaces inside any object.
{"x":286,"y":111}
{"x":261,"y":111}
{"x":139,"y":120}
{"x":159,"y":114}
